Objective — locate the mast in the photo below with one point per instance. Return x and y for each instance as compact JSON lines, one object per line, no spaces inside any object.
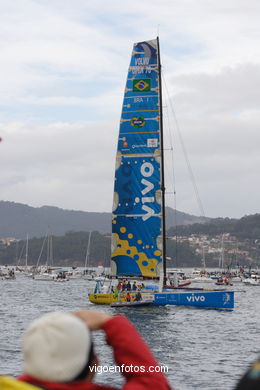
{"x":162,"y":167}
{"x":87,"y":253}
{"x":26,"y":253}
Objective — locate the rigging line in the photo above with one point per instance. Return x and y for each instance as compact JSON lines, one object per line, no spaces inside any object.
{"x":185,"y":153}
{"x":39,"y":258}
{"x":172,"y":171}
{"x":21,"y":253}
{"x":171,"y":141}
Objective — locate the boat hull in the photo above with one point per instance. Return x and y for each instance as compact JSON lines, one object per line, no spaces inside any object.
{"x":107,"y":299}
{"x":206,"y":299}
{"x":132,"y":304}
{"x":179,"y":285}
{"x":102,"y":299}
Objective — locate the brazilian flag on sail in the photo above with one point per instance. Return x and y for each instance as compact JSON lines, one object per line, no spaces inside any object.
{"x":141,"y":85}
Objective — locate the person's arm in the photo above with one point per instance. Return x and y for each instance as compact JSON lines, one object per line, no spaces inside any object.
{"x":136,"y":361}
{"x":251,"y":379}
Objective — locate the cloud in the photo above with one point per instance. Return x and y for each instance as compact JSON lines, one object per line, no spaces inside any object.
{"x":62,"y":161}
{"x":62,"y":73}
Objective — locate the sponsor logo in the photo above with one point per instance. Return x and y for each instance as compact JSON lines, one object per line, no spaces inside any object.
{"x":138,"y":122}
{"x":141,"y":85}
{"x":139,"y":146}
{"x":196,"y":298}
{"x":147,"y":170}
{"x":142,"y":65}
{"x":125,"y":144}
{"x":140,"y":61}
{"x":226,"y":298}
{"x":152,"y":143}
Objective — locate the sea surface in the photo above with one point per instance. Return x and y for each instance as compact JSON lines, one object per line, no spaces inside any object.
{"x":203,"y":349}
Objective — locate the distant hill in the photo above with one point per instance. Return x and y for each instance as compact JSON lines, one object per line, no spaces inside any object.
{"x":177,"y":218}
{"x":17,"y":220}
{"x":247,"y":227}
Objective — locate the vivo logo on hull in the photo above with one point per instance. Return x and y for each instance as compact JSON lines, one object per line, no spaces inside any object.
{"x":196,"y":298}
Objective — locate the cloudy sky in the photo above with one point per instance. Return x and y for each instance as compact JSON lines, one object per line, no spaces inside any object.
{"x":62,"y":74}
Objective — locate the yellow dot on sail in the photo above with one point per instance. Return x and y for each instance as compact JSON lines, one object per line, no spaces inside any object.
{"x":122,"y":229}
{"x":130,"y":235}
{"x":139,"y":241}
{"x":147,"y":246}
{"x":114,"y":221}
{"x":157,"y":253}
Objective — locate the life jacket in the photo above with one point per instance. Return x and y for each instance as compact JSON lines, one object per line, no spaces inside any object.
{"x":8,"y":383}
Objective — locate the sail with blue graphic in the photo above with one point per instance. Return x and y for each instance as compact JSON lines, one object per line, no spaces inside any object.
{"x":137,"y":229}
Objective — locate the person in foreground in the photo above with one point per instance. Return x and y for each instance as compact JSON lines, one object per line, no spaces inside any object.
{"x":59,"y":354}
{"x":251,"y":379}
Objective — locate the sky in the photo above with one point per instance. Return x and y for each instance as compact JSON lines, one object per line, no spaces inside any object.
{"x":63,"y":69}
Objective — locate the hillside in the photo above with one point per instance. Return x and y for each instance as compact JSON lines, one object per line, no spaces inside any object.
{"x":17,"y":220}
{"x":247,"y":227}
{"x":70,"y":250}
{"x":242,"y":244}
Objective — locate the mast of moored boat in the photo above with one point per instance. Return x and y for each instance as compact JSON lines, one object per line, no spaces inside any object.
{"x":87,"y":253}
{"x":162,"y":168}
{"x":26,"y":253}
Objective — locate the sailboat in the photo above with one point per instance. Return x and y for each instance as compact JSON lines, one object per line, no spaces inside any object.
{"x":24,"y":268}
{"x":88,"y":273}
{"x":48,"y":272}
{"x":138,"y":219}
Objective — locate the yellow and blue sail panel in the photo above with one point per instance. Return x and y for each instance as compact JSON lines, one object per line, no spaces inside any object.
{"x":137,"y":209}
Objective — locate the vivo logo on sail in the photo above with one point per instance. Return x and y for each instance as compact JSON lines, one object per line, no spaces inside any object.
{"x":147,"y":170}
{"x":147,"y":199}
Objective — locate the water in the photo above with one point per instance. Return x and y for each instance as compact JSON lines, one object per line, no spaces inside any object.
{"x":203,"y":349}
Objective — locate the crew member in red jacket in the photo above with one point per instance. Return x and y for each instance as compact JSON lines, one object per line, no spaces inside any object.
{"x":59,"y":353}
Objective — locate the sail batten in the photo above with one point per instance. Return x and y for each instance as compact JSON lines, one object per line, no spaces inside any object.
{"x":137,"y":227}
